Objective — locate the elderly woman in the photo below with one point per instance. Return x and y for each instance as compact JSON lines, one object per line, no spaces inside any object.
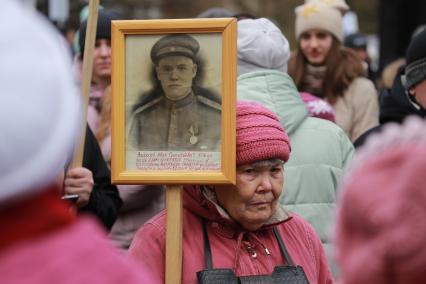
{"x":241,"y":230}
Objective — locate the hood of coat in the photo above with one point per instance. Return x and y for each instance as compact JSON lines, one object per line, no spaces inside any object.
{"x":395,"y":105}
{"x":201,"y":201}
{"x":276,"y":91}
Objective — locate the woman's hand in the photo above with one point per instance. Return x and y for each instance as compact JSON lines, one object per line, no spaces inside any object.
{"x":79,"y":181}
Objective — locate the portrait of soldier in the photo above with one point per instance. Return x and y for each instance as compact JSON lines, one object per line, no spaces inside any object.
{"x":176,"y":114}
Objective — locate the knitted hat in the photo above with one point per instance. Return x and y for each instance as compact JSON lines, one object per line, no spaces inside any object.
{"x":415,"y":70}
{"x":259,"y":135}
{"x":356,"y":41}
{"x":340,"y":5}
{"x":174,"y":44}
{"x":318,"y":107}
{"x":103,"y":28}
{"x":39,"y":102}
{"x":382,"y":209}
{"x":261,"y":45}
{"x":316,"y":15}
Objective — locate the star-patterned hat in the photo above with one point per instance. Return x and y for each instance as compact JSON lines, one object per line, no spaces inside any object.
{"x":340,"y":5}
{"x":317,"y":15}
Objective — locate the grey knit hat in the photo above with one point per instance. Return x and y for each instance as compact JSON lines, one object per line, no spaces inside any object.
{"x":261,"y":45}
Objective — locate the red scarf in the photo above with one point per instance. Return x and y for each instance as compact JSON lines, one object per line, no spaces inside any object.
{"x":34,"y":216}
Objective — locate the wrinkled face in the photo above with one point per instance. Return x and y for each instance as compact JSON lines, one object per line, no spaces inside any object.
{"x":255,"y":197}
{"x":102,"y":60}
{"x":315,"y":45}
{"x":419,"y":92}
{"x":175,"y":74}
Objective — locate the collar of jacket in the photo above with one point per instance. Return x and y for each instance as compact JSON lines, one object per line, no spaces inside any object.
{"x":396,"y":104}
{"x":201,"y":201}
{"x":34,"y":216}
{"x":190,"y":98}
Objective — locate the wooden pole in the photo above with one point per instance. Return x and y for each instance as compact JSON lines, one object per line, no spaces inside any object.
{"x":174,"y":207}
{"x":86,"y":79}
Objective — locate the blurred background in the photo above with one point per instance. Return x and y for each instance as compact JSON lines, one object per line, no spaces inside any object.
{"x":388,"y":24}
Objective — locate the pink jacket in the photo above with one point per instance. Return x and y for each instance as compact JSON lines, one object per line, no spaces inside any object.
{"x":78,"y":253}
{"x":232,"y":246}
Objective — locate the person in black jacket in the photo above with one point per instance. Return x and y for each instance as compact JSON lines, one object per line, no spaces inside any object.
{"x":92,"y":183}
{"x":408,"y":93}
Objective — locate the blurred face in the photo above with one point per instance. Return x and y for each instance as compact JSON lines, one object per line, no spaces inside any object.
{"x":102,"y":60}
{"x":315,"y":45}
{"x":362,"y":54}
{"x":254,"y":199}
{"x":175,"y":74}
{"x":419,"y":92}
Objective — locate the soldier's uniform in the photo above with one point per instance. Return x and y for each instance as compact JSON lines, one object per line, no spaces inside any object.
{"x":190,"y":124}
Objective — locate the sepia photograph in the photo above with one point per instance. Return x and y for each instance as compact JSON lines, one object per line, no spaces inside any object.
{"x":177,"y":113}
{"x":173,"y":89}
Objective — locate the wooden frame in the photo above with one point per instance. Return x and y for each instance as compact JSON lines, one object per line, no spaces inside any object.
{"x":125,"y":33}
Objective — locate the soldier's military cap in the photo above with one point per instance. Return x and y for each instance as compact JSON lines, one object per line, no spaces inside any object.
{"x":175,"y":44}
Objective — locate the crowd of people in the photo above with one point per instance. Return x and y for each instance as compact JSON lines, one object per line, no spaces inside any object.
{"x":329,"y":184}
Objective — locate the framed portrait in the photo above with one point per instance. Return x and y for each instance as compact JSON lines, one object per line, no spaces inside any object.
{"x":173,"y":101}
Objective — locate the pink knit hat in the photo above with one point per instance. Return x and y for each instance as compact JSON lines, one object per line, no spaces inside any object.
{"x":380,"y":229}
{"x":259,"y":135}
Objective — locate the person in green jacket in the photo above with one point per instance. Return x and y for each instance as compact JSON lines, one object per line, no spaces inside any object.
{"x":321,"y":149}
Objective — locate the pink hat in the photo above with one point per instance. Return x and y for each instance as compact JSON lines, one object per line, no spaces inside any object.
{"x":259,"y":135}
{"x":380,"y":229}
{"x":318,"y":107}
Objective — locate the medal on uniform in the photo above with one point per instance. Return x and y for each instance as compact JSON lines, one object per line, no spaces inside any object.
{"x":193,"y":139}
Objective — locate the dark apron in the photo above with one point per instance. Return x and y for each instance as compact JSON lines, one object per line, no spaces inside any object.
{"x":281,"y":274}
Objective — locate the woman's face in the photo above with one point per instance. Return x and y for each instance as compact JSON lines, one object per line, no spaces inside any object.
{"x":315,"y":45}
{"x":102,"y":60}
{"x":255,"y":197}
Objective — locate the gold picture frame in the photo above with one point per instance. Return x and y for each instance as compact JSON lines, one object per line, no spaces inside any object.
{"x":136,"y":44}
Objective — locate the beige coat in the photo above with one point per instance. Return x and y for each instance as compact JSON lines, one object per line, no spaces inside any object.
{"x":358,"y":110}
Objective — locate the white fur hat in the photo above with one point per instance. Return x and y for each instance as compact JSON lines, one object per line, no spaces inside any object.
{"x":340,"y":5}
{"x":39,"y":104}
{"x":261,"y":45}
{"x":316,"y":15}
